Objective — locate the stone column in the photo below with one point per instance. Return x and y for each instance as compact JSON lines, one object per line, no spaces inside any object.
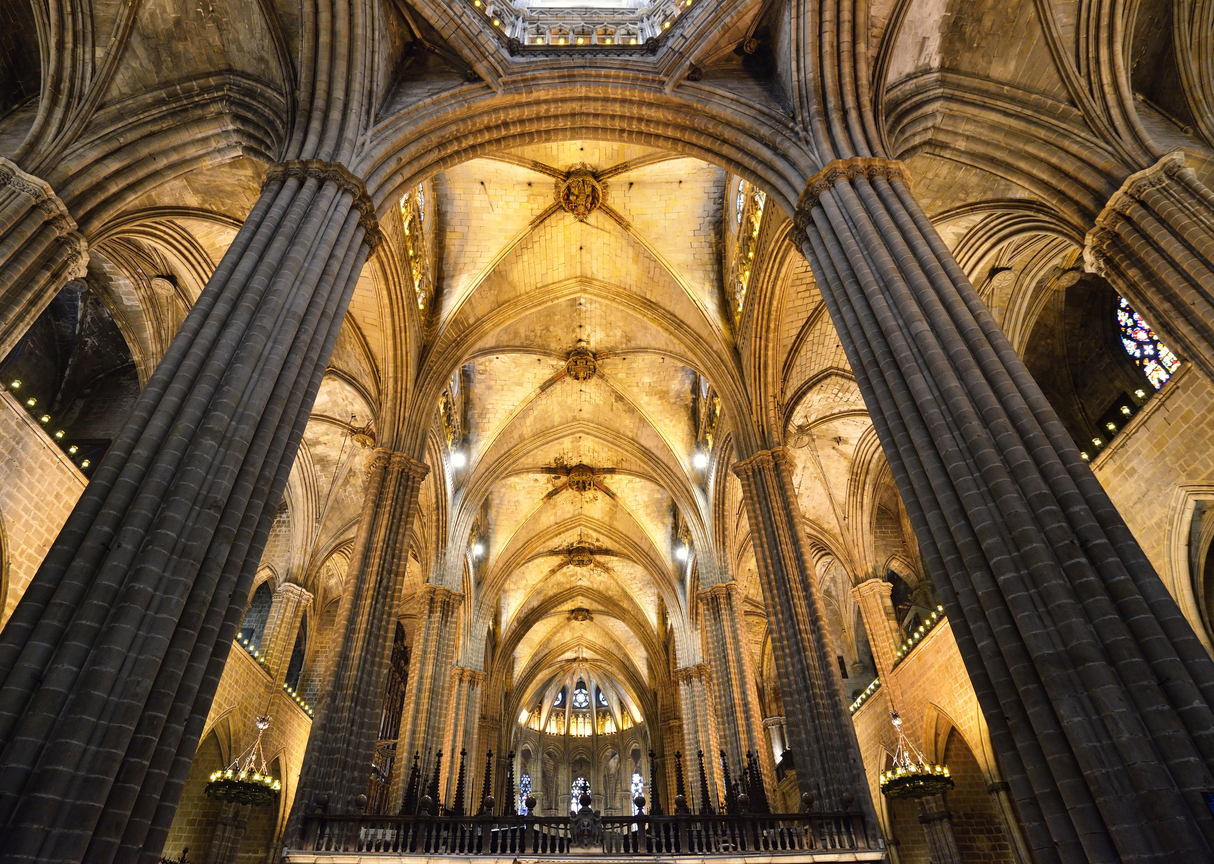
{"x":425,"y":716}
{"x":342,"y":744}
{"x":40,"y":251}
{"x":110,"y":661}
{"x":229,"y":831}
{"x":726,"y":642}
{"x":938,"y":831}
{"x":1096,"y":691}
{"x":776,"y":735}
{"x":881,"y":627}
{"x":1154,"y":243}
{"x":700,"y":733}
{"x":820,"y":730}
{"x":460,"y":732}
{"x":673,"y":742}
{"x":286,"y":612}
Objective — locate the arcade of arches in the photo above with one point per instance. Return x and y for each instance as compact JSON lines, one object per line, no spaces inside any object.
{"x":518,"y":400}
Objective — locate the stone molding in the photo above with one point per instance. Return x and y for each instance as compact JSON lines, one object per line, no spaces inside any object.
{"x":721,"y":590}
{"x":687,"y":674}
{"x":867,"y":167}
{"x":54,"y":211}
{"x":346,"y":181}
{"x":396,"y":461}
{"x":465,"y":675}
{"x":777,"y":722}
{"x":764,"y":458}
{"x":1098,"y":242}
{"x":431,"y":592}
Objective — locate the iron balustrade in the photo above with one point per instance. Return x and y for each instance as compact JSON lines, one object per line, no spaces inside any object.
{"x":688,"y":834}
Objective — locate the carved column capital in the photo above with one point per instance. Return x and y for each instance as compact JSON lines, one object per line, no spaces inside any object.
{"x":392,"y":460}
{"x":868,"y":167}
{"x":346,"y":181}
{"x":1097,"y":244}
{"x":466,"y":675}
{"x":431,"y":593}
{"x":722,"y":590}
{"x":54,"y":213}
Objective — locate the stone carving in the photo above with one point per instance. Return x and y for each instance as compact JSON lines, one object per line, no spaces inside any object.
{"x":580,"y":193}
{"x":580,"y":613}
{"x":581,"y":556}
{"x":868,"y":167}
{"x":315,"y":169}
{"x":580,"y":365}
{"x":1100,"y":240}
{"x":162,"y":286}
{"x":581,"y":478}
{"x":586,"y":826}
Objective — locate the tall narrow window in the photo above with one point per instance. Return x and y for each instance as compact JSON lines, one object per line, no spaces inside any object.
{"x":524,"y":790}
{"x":637,"y":787}
{"x":580,"y":785}
{"x":254,"y":625}
{"x":295,"y":666}
{"x":1154,"y":358}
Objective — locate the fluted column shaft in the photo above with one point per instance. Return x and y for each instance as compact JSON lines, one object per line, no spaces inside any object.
{"x":740,"y":718}
{"x":109,"y":663}
{"x":937,"y":826}
{"x":1154,"y":242}
{"x":40,"y":250}
{"x":424,"y":719}
{"x":460,"y":731}
{"x":820,"y":730}
{"x":697,"y":701}
{"x":342,"y":743}
{"x":1096,"y":691}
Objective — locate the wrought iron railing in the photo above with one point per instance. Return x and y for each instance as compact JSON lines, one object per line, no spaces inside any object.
{"x":796,"y":833}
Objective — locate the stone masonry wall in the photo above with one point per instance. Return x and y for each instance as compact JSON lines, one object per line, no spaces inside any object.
{"x":39,"y":489}
{"x":1154,"y":470}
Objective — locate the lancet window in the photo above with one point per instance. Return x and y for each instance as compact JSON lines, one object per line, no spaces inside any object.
{"x":749,"y":206}
{"x":580,"y":785}
{"x":413,"y":216}
{"x":1154,"y":358}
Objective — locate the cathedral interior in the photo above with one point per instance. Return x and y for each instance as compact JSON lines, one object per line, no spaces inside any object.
{"x":417,"y":409}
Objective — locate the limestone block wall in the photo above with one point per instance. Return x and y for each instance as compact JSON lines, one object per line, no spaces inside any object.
{"x":39,"y":489}
{"x":246,"y":691}
{"x":1157,"y":469}
{"x":941,"y":716}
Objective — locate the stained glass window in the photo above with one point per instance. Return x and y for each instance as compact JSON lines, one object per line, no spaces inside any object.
{"x":602,"y":698}
{"x":581,"y":698}
{"x":739,"y":202}
{"x":560,"y":699}
{"x":421,"y":201}
{"x":637,"y":787}
{"x":524,"y":789}
{"x":1152,"y":356}
{"x":579,"y":786}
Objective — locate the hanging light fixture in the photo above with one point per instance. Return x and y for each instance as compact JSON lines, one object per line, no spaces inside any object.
{"x":247,"y":780}
{"x":912,"y":776}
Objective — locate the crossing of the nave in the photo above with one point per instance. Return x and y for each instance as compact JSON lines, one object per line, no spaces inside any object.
{"x":736,"y":429}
